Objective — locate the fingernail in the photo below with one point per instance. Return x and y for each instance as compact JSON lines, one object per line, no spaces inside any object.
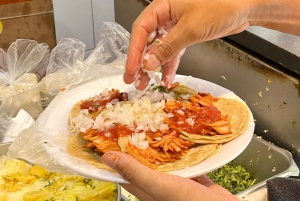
{"x":152,"y":62}
{"x":110,"y":159}
{"x":168,"y":81}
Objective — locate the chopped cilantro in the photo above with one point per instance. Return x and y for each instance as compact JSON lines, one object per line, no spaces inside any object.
{"x":66,"y":188}
{"x":87,"y":181}
{"x":294,"y":123}
{"x":95,"y":106}
{"x":161,"y":89}
{"x":233,"y":177}
{"x":77,"y":198}
{"x":49,"y":184}
{"x":156,"y":41}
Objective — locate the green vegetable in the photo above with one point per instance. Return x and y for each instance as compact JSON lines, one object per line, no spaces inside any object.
{"x":157,"y":41}
{"x":49,"y":184}
{"x":95,"y":106}
{"x":66,"y":188}
{"x":233,"y":177}
{"x":161,"y":89}
{"x":87,"y":181}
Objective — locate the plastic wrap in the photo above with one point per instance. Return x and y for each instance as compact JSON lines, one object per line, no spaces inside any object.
{"x":18,"y":87}
{"x":45,"y":143}
{"x":39,"y":70}
{"x":3,"y":59}
{"x":112,"y":48}
{"x":67,"y":65}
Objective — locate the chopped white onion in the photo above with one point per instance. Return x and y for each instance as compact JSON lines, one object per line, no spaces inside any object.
{"x":190,"y":121}
{"x":139,"y":140}
{"x":169,"y":115}
{"x":162,"y":32}
{"x":82,"y":121}
{"x":185,"y":96}
{"x":114,"y":101}
{"x":105,"y":92}
{"x":180,"y":122}
{"x":151,"y":73}
{"x":180,"y":112}
{"x":146,"y":57}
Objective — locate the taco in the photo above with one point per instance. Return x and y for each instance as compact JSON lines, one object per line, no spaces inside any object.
{"x":166,"y":129}
{"x":238,"y":115}
{"x":232,"y":121}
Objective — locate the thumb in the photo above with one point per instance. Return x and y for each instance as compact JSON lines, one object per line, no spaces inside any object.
{"x":128,"y":167}
{"x":157,"y":185}
{"x":141,"y":177}
{"x":170,"y":46}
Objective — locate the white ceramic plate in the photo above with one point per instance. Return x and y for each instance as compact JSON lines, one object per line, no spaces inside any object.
{"x":56,"y":124}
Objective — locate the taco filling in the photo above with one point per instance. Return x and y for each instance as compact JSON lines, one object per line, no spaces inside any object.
{"x":162,"y":128}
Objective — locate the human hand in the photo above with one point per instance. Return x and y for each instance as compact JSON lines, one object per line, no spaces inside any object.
{"x":151,"y":185}
{"x":186,"y":22}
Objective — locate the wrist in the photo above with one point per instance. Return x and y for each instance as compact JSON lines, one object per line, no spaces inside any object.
{"x":259,"y":12}
{"x":273,"y":11}
{"x":281,"y":15}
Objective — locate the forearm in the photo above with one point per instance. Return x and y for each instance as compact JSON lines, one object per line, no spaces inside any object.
{"x":281,"y":15}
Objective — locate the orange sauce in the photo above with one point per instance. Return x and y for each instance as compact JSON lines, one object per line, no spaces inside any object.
{"x":115,"y":157}
{"x":206,"y":115}
{"x":112,"y":133}
{"x":88,"y":104}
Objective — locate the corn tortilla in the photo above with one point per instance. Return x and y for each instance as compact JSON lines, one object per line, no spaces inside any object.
{"x":74,"y":148}
{"x":74,"y":111}
{"x":194,"y":156}
{"x":239,"y":116}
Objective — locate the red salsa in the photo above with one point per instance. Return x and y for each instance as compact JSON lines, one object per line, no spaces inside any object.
{"x":205,"y":115}
{"x":93,"y":104}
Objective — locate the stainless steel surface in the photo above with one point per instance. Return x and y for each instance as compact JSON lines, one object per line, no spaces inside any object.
{"x":4,"y":149}
{"x":266,"y":161}
{"x":287,"y":42}
{"x":272,"y":95}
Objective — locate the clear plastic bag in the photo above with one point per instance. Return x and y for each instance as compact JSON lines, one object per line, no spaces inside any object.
{"x":45,"y":142}
{"x":3,"y":59}
{"x":67,"y":65}
{"x":39,"y":70}
{"x":112,"y":47}
{"x":18,"y":87}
